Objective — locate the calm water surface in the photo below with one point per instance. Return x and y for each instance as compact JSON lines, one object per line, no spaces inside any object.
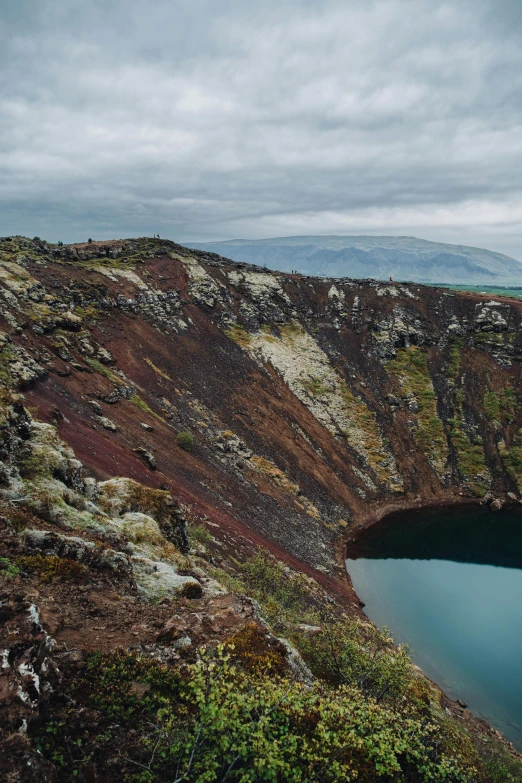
{"x":449,"y":584}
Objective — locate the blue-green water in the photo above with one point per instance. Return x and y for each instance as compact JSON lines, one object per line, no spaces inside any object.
{"x":449,"y":584}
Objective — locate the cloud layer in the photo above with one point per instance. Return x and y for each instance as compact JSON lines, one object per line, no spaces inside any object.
{"x":205,"y":120}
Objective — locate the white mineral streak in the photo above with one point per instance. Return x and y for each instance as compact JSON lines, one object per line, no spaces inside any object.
{"x":260,"y":285}
{"x":301,"y":363}
{"x":202,"y":286}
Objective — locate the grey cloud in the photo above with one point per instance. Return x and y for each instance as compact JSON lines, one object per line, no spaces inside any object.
{"x":207,"y":120}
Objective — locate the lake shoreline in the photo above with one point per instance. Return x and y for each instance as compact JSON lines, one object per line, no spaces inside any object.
{"x":399,"y":513}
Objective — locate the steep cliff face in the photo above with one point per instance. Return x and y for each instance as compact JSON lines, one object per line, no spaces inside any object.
{"x":314,"y":404}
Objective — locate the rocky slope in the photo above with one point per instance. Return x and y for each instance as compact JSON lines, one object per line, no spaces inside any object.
{"x":166,"y":391}
{"x":404,"y":258}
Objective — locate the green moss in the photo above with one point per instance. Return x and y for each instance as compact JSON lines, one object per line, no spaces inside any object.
{"x":88,"y":312}
{"x":456,"y":345}
{"x":8,"y":569}
{"x":53,"y":568}
{"x":410,"y":367}
{"x":471,"y":458}
{"x":6,"y":356}
{"x":315,"y":386}
{"x":503,"y":407}
{"x":198,"y":534}
{"x":185,"y":440}
{"x":290,"y":330}
{"x":512,"y":460}
{"x":489,"y":337}
{"x":142,"y":405}
{"x":97,"y":366}
{"x":365,"y":424}
{"x":239,"y":335}
{"x":492,"y":406}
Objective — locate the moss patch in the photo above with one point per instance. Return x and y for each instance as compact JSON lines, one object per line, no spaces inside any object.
{"x":471,"y":459}
{"x":239,"y":335}
{"x":454,"y":360}
{"x":280,"y":479}
{"x":136,"y":400}
{"x":52,"y":568}
{"x":410,"y":367}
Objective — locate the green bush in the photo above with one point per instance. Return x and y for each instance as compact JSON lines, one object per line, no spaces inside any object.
{"x":199,"y":534}
{"x":218,"y":722}
{"x":350,"y":653}
{"x":185,"y":440}
{"x":8,"y":569}
{"x":284,"y":597}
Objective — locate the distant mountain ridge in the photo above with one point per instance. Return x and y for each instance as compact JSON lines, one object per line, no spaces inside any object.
{"x":379,"y":257}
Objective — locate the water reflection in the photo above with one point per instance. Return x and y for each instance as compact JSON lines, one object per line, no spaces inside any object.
{"x":449,"y":584}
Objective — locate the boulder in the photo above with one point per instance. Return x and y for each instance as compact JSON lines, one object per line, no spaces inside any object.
{"x":146,"y":457}
{"x":107,"y":424}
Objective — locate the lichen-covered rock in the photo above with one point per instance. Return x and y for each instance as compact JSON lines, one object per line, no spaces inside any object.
{"x":157,"y":580}
{"x":119,"y":496}
{"x":18,"y":369}
{"x":104,"y":356}
{"x":147,"y":457}
{"x":140,"y":528}
{"x":81,"y":551}
{"x":492,"y":317}
{"x":399,"y":329}
{"x":107,"y":424}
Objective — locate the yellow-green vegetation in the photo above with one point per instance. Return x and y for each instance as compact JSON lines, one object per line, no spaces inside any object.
{"x":250,"y":649}
{"x":87,"y":312}
{"x":490,"y":337}
{"x":501,"y":408}
{"x":6,"y":356}
{"x":471,"y":459}
{"x":52,"y":568}
{"x":97,"y":366}
{"x":142,"y":405}
{"x":8,"y":569}
{"x":492,"y":406}
{"x":238,"y":334}
{"x":185,"y":440}
{"x":198,"y":534}
{"x":362,"y":421}
{"x":410,"y":367}
{"x":219,"y":722}
{"x":157,"y":370}
{"x":456,"y":345}
{"x":279,"y":477}
{"x":316,"y":387}
{"x":100,"y":262}
{"x":290,"y":330}
{"x":512,"y":458}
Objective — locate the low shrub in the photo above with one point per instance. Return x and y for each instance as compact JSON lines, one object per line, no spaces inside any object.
{"x":215,"y":721}
{"x":7,"y":568}
{"x":52,"y":568}
{"x":199,"y":535}
{"x":185,"y":440}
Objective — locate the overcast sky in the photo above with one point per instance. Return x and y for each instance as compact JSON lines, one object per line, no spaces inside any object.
{"x":216,"y":119}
